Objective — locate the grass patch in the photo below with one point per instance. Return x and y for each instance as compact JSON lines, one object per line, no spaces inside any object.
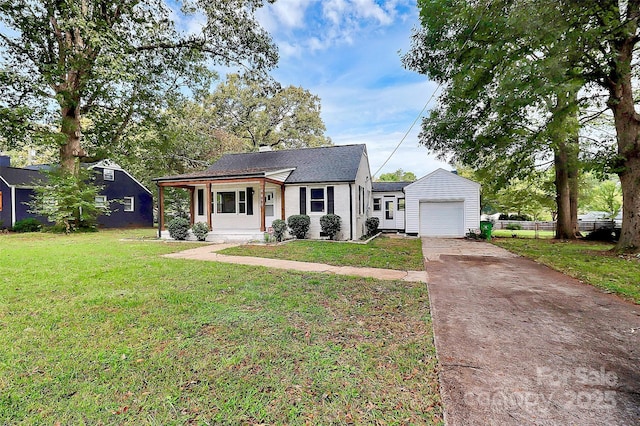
{"x":521,"y":233}
{"x":591,"y":263}
{"x":95,"y":330}
{"x":403,"y":254}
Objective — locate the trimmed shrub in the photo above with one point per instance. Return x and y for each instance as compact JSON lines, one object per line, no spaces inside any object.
{"x":178,"y":228}
{"x":279,"y":228}
{"x":330,"y":225}
{"x":29,"y":224}
{"x":514,"y":227}
{"x":372,"y":224}
{"x":200,"y":230}
{"x":299,"y":225}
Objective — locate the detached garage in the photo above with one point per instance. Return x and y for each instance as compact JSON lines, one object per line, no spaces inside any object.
{"x":442,"y":204}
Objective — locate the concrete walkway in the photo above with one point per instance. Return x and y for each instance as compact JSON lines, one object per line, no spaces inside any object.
{"x":209,"y":253}
{"x":521,"y":344}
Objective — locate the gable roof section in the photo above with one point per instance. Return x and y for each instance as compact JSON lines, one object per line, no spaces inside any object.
{"x":20,"y":177}
{"x":389,"y":186}
{"x":448,"y":174}
{"x":338,"y":163}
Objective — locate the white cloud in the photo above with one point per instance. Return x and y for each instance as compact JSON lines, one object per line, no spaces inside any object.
{"x":369,"y":9}
{"x":334,"y":10}
{"x":290,"y":13}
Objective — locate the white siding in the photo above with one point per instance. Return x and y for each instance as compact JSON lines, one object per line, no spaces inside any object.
{"x":341,"y":207}
{"x":442,"y":186}
{"x":398,"y":215}
{"x":363,"y":178}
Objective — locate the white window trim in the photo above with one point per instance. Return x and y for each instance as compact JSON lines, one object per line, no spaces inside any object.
{"x":324,"y":200}
{"x":237,"y":202}
{"x":101,"y":201}
{"x":108,"y":174}
{"x":133,"y":205}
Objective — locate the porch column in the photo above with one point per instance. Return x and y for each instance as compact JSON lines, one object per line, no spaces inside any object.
{"x":160,"y":210}
{"x":192,"y":211}
{"x":209,"y":198}
{"x":263,"y":226}
{"x":282,"y":210}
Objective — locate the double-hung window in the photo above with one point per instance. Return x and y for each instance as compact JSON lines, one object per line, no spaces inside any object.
{"x":101,"y":201}
{"x":317,"y":200}
{"x":108,"y":174}
{"x":128,"y":204}
{"x":242,"y":202}
{"x":377,"y":204}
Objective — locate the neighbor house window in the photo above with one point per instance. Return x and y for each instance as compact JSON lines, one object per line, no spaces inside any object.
{"x":361,"y":199}
{"x":226,"y":202}
{"x":400,"y":204}
{"x":128,"y":204}
{"x":108,"y":174}
{"x":377,"y":204}
{"x":317,"y":200}
{"x":101,"y":201}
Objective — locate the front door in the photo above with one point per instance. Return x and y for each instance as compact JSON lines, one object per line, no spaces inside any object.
{"x":389,"y":221}
{"x":269,"y":208}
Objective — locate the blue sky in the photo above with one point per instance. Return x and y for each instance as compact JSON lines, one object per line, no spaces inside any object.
{"x":346,"y":52}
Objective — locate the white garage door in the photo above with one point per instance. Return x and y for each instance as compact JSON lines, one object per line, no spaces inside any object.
{"x":442,"y":219}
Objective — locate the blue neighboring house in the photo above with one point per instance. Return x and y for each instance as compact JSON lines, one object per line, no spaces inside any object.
{"x":135,"y":208}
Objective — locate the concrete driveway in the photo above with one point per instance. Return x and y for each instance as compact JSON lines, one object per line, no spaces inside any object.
{"x":521,"y":344}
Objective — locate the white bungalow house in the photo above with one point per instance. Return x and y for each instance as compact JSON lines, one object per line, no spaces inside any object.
{"x":440,"y":204}
{"x":240,"y":195}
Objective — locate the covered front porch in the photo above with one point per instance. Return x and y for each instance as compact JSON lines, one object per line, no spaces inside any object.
{"x":234,"y":208}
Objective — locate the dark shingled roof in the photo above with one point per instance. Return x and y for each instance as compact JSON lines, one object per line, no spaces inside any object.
{"x":325,"y":164}
{"x":389,"y":186}
{"x":21,"y":177}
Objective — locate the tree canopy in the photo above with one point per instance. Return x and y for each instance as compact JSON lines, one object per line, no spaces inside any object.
{"x":263,"y":113}
{"x":397,"y":176}
{"x":77,"y":74}
{"x":516,"y":76}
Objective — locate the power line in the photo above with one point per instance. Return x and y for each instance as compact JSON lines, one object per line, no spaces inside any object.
{"x":410,"y":128}
{"x":473,"y":30}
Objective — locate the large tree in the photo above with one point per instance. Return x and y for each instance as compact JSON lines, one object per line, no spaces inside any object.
{"x":78,"y":73}
{"x":509,"y":99}
{"x":263,"y":113}
{"x":543,"y":49}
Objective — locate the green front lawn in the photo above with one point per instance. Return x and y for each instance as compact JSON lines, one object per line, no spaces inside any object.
{"x":592,"y":263}
{"x":94,"y":330}
{"x":404,"y":254}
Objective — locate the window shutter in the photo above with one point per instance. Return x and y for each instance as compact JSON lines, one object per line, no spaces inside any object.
{"x":249,"y":201}
{"x":330,"y":199}
{"x":303,"y":200}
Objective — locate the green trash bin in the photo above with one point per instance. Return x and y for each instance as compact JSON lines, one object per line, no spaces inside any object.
{"x":485,"y":229}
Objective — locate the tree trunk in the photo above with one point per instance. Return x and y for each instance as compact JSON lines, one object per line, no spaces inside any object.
{"x":565,"y":156}
{"x":71,"y":150}
{"x":564,"y":228}
{"x":630,"y":182}
{"x":627,"y":123}
{"x":573,"y":173}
